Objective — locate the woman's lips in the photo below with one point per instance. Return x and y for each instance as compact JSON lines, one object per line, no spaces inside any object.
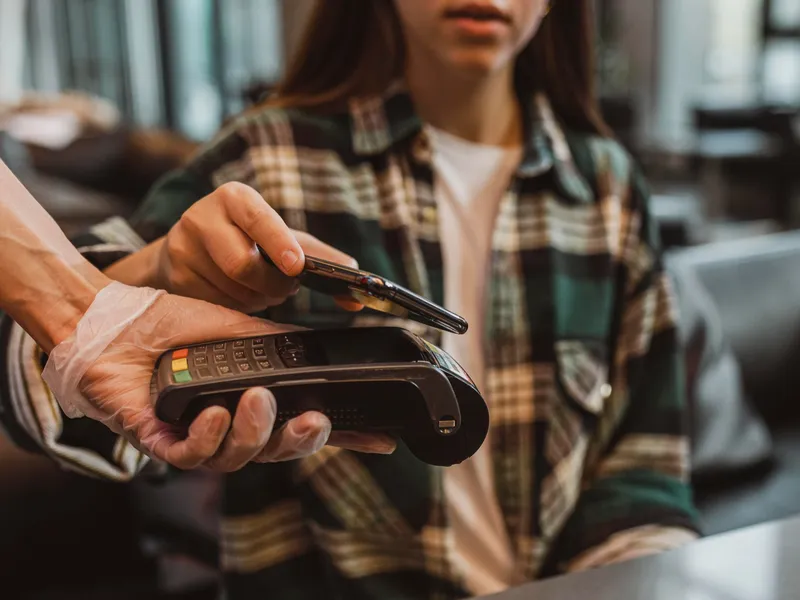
{"x":475,"y":28}
{"x":478,"y":20}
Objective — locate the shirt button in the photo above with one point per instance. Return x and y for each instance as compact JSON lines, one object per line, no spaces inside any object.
{"x":605,"y":390}
{"x":429,"y":214}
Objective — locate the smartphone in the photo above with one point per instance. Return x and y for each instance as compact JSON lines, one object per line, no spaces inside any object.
{"x":375,"y":292}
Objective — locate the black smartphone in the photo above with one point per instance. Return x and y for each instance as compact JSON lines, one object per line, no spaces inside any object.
{"x":375,"y":292}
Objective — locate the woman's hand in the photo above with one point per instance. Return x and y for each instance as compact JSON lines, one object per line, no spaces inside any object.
{"x":211,"y":254}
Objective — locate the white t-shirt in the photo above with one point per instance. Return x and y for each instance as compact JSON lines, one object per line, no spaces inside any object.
{"x":471,"y":180}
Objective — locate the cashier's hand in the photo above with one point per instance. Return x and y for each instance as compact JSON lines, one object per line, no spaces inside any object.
{"x":116,"y":392}
{"x":211,"y":252}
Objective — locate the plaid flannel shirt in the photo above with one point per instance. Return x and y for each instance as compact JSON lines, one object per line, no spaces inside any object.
{"x":584,"y":373}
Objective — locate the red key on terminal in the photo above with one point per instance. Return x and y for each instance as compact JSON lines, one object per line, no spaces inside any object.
{"x":180,"y":353}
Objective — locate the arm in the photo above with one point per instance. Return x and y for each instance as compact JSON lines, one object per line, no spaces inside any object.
{"x":47,"y":284}
{"x":637,"y":499}
{"x":47,"y":287}
{"x":70,"y":307}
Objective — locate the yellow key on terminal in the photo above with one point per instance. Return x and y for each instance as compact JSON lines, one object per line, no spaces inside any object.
{"x":180,"y":365}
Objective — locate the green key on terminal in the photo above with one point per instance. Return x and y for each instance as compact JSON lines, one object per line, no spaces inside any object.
{"x":182,"y":377}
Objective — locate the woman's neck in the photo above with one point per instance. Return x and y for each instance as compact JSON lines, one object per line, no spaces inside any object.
{"x":482,"y":110}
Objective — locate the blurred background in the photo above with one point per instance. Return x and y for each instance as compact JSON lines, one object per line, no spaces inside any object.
{"x":99,"y":98}
{"x":704,"y":92}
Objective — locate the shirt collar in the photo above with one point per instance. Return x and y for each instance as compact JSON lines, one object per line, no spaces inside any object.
{"x":380,"y":122}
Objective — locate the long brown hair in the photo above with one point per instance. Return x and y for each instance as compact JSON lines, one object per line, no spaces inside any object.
{"x":355,"y":48}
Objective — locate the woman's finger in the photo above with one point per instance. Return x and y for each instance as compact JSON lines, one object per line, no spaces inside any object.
{"x":349,"y":304}
{"x":318,"y":249}
{"x":367,"y":443}
{"x":244,"y":298}
{"x":259,"y":221}
{"x":235,"y":256}
{"x":192,"y":283}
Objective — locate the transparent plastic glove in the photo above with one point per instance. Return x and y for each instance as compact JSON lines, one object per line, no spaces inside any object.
{"x":103,"y":371}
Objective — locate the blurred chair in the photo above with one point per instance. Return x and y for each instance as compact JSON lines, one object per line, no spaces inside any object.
{"x":124,"y":162}
{"x":747,"y":431}
{"x":82,"y":139}
{"x":747,"y":156}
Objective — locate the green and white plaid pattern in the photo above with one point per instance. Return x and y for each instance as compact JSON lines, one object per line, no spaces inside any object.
{"x":584,"y":379}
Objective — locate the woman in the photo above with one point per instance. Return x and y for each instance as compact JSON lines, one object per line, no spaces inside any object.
{"x":455,"y":147}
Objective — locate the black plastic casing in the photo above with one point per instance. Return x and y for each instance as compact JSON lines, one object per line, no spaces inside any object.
{"x":425,"y":399}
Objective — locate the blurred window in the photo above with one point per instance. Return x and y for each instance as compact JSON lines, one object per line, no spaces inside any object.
{"x":753,"y":52}
{"x":178,"y":63}
{"x":733,"y":50}
{"x":781,"y":75}
{"x":217,"y":49}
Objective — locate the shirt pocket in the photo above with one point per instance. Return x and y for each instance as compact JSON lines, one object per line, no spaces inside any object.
{"x":572,"y":412}
{"x":583,"y":374}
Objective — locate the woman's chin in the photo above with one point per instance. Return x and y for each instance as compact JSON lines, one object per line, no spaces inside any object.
{"x":479,"y":62}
